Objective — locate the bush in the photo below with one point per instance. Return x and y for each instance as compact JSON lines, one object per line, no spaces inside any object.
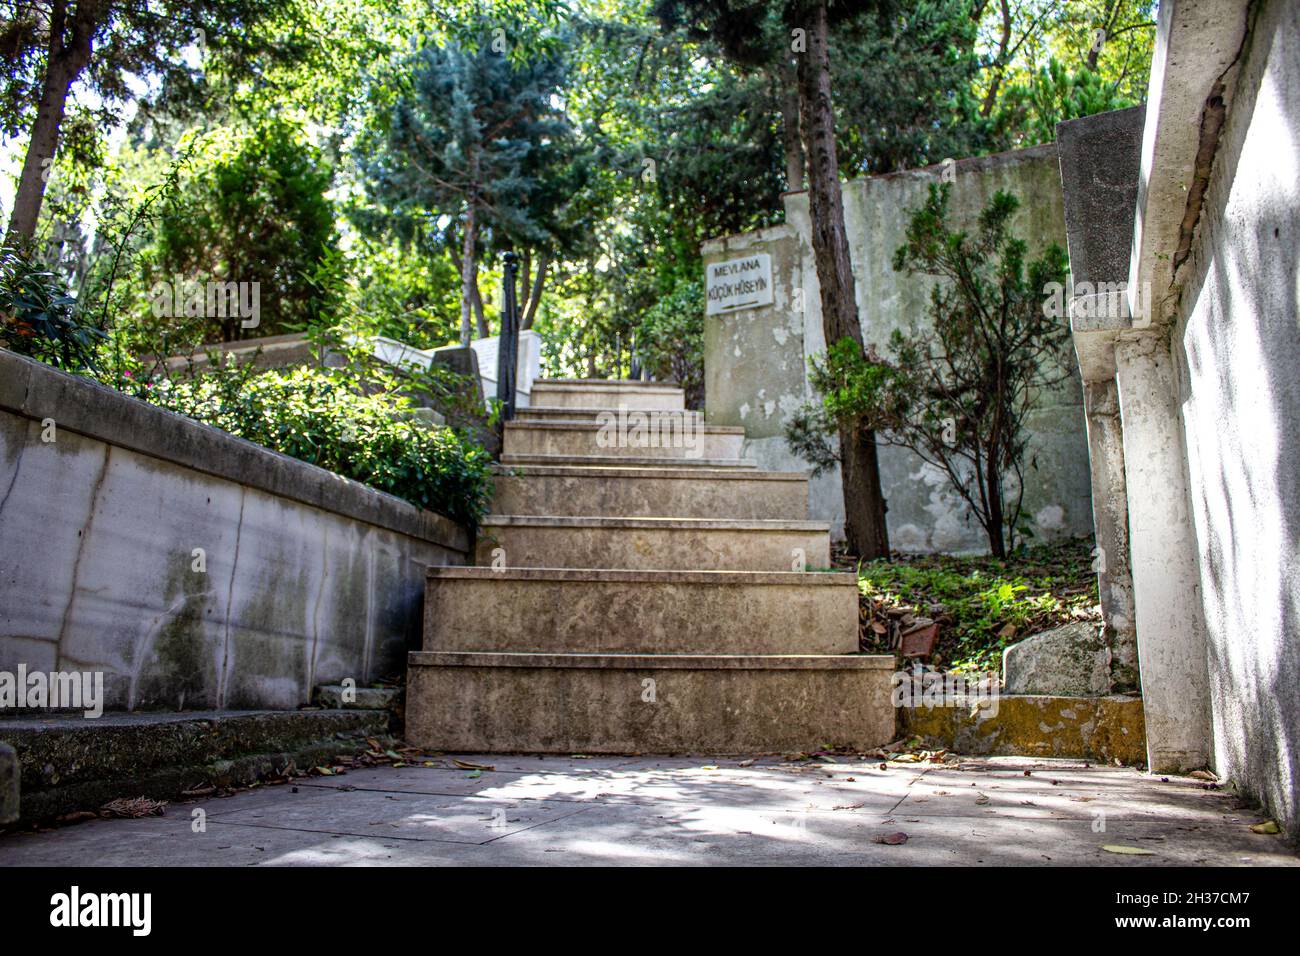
{"x":39,"y":318}
{"x":318,"y":416}
{"x":670,"y":340}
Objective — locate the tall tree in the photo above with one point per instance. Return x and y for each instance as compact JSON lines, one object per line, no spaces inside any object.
{"x":470,"y":134}
{"x":51,"y":44}
{"x":761,"y":34}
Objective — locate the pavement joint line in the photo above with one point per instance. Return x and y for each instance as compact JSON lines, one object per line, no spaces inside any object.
{"x":535,"y":826}
{"x":345,"y":833}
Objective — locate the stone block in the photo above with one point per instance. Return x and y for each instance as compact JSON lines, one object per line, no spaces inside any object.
{"x":1104,"y":729}
{"x":1068,"y":661}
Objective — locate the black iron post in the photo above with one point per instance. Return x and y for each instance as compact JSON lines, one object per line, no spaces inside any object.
{"x":508,"y":342}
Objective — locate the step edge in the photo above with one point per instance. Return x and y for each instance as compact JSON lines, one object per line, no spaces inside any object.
{"x":523,"y":659}
{"x":843,"y":579}
{"x":608,"y":461}
{"x":662,"y":524}
{"x":503,"y":470}
{"x":611,"y":384}
{"x":517,"y":425}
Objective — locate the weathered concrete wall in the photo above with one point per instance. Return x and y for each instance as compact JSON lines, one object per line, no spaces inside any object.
{"x":756,"y":360}
{"x":1208,"y":392}
{"x":1236,"y":349}
{"x":309,"y":578}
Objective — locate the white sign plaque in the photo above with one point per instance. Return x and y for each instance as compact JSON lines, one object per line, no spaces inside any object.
{"x":739,"y":283}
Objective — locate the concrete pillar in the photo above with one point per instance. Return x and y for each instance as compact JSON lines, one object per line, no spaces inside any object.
{"x":1110,"y":519}
{"x":1166,"y":580}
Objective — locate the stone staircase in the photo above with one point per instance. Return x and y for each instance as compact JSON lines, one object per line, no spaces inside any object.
{"x":639,"y":588}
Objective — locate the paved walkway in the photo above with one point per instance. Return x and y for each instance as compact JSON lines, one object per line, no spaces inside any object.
{"x":531,"y":810}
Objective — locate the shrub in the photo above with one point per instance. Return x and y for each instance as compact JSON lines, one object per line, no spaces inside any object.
{"x":318,"y":416}
{"x":956,"y":391}
{"x":670,"y":340}
{"x":39,"y":318}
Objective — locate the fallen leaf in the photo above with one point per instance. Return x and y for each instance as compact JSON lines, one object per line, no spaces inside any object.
{"x":746,"y":763}
{"x":1268,"y":826}
{"x":1130,"y":850}
{"x":132,"y":808}
{"x":891,"y":839}
{"x":470,"y":765}
{"x":1203,"y":775}
{"x":77,"y":816}
{"x":982,"y":799}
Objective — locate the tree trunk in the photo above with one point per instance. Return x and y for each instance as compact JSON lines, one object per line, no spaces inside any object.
{"x":993,"y":486}
{"x":791,"y":136}
{"x":468,"y":267}
{"x":539,"y":283}
{"x":63,"y":64}
{"x":525,"y":280}
{"x":479,"y":319}
{"x":864,"y":503}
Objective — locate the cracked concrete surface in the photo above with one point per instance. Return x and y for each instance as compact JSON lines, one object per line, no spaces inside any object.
{"x":532,"y":810}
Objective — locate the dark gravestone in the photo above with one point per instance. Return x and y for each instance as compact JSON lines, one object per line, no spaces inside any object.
{"x":467,"y":410}
{"x":8,"y":784}
{"x":1100,"y":159}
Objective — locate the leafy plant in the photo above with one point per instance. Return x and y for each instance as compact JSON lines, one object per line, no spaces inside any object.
{"x":985,"y":604}
{"x":319,"y":416}
{"x":251,"y":206}
{"x":38,"y":317}
{"x":957,"y":391}
{"x":670,"y":340}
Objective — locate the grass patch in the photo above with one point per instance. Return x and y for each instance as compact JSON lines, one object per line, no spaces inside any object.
{"x":982,"y":604}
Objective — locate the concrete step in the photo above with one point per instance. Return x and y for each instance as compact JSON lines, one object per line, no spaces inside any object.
{"x":535,"y":541}
{"x":605,"y":393}
{"x":622,"y":434}
{"x":692,"y":491}
{"x":69,"y":763}
{"x":626,"y":461}
{"x":609,"y":703}
{"x":559,"y":610}
{"x":549,"y":413}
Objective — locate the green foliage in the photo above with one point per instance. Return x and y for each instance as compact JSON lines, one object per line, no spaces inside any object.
{"x":319,"y":416}
{"x":39,"y":318}
{"x":915,"y":105}
{"x":988,"y":603}
{"x":409,"y":295}
{"x":1029,"y":111}
{"x":956,"y":391}
{"x":252,"y":208}
{"x":670,"y":340}
{"x":471,"y":151}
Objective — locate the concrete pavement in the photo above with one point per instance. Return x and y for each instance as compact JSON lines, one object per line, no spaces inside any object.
{"x":532,"y":810}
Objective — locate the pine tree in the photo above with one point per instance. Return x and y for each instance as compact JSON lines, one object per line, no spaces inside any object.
{"x":476,"y":135}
